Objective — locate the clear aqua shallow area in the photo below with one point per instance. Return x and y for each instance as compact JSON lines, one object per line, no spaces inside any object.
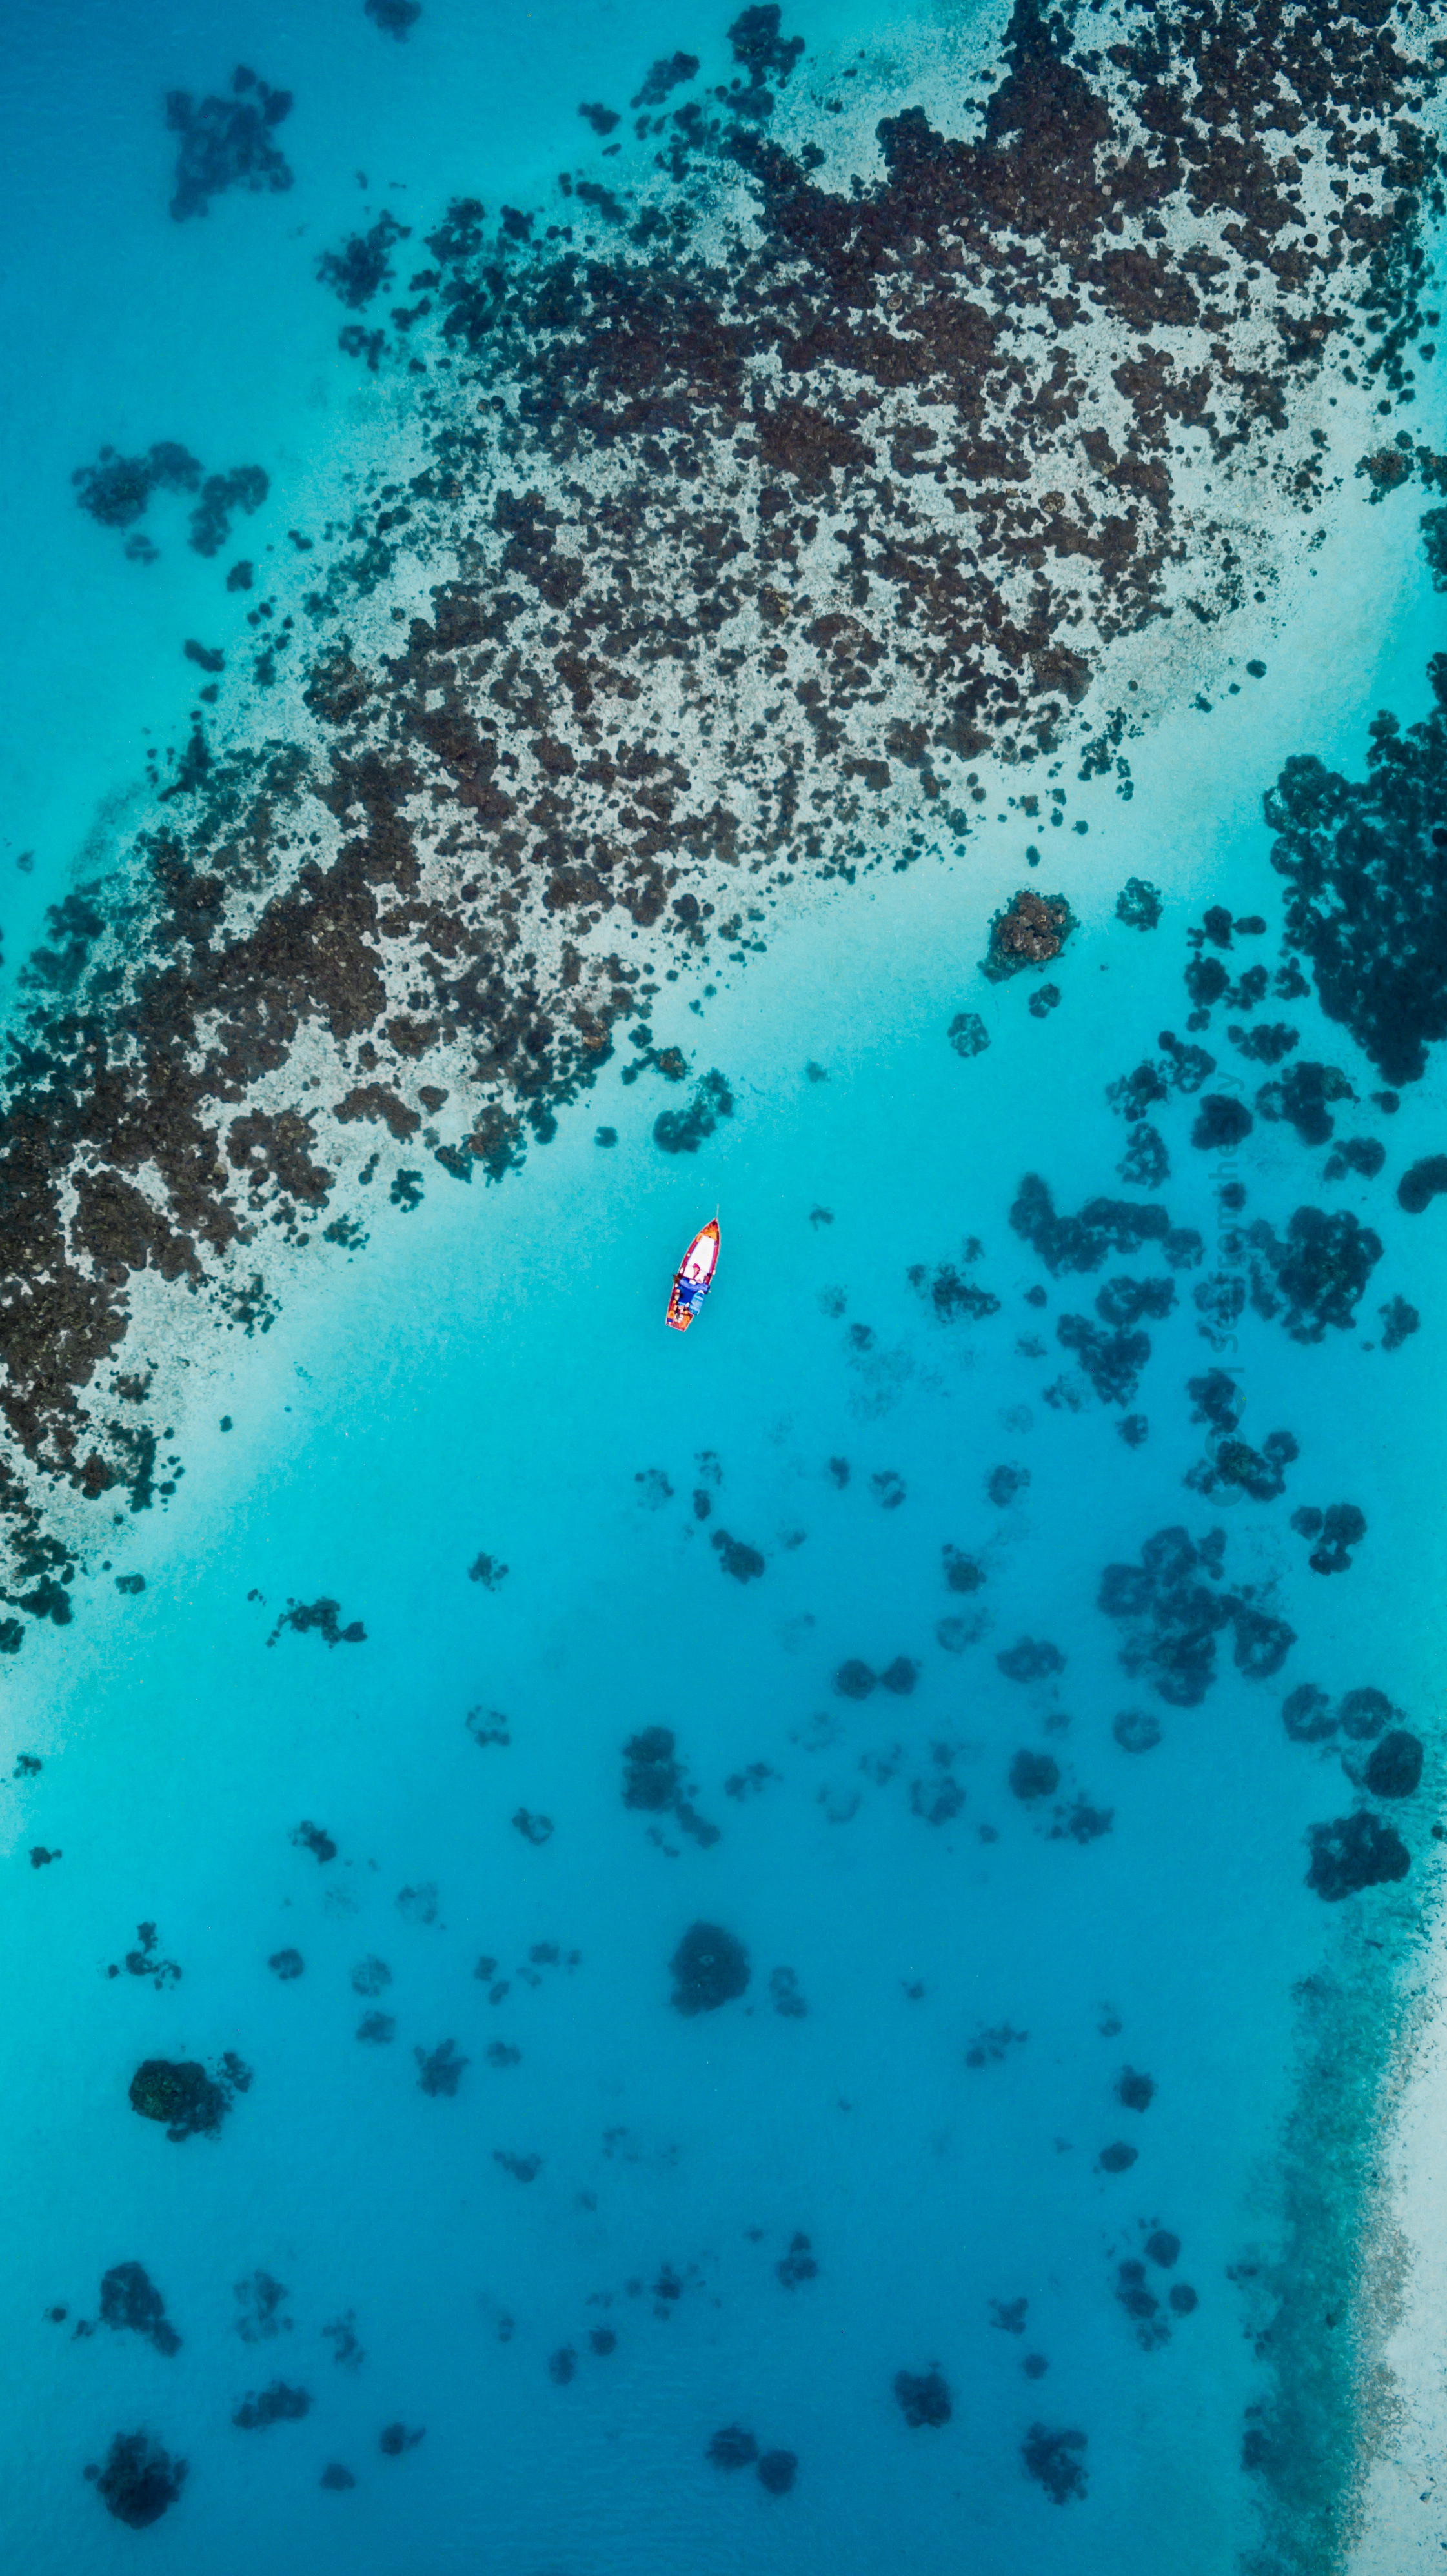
{"x":872,"y":1629}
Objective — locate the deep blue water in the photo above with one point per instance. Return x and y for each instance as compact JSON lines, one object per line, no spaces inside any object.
{"x":619,"y":2228}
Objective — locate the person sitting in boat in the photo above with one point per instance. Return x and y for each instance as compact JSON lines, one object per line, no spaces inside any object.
{"x":690,"y":1288}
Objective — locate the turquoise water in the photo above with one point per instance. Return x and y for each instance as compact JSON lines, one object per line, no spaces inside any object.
{"x":484,"y":2220}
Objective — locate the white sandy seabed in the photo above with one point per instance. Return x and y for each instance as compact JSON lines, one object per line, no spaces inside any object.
{"x":1399,"y":2513}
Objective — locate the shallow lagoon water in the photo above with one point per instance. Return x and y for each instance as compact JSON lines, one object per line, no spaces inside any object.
{"x":488,"y":1384}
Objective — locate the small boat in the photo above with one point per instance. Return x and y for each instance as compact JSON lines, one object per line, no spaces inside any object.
{"x":693,"y":1278}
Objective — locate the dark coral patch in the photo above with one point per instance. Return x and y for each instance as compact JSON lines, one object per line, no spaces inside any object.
{"x":1034,"y":1776}
{"x":1394,"y":1766}
{"x":139,"y":2481}
{"x":129,"y":2300}
{"x":1138,"y":904}
{"x":1421,"y":1184}
{"x":733,"y":2447}
{"x":923,"y":2397}
{"x":181,"y":2096}
{"x":1030,"y":931}
{"x":710,"y":1967}
{"x":1221,"y":1123}
{"x":227,"y":142}
{"x":1054,"y":2455}
{"x":1355,"y":1852}
{"x":1083,"y":1242}
{"x":1364,"y":864}
{"x":1172,"y":1614}
{"x":278,"y":2404}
